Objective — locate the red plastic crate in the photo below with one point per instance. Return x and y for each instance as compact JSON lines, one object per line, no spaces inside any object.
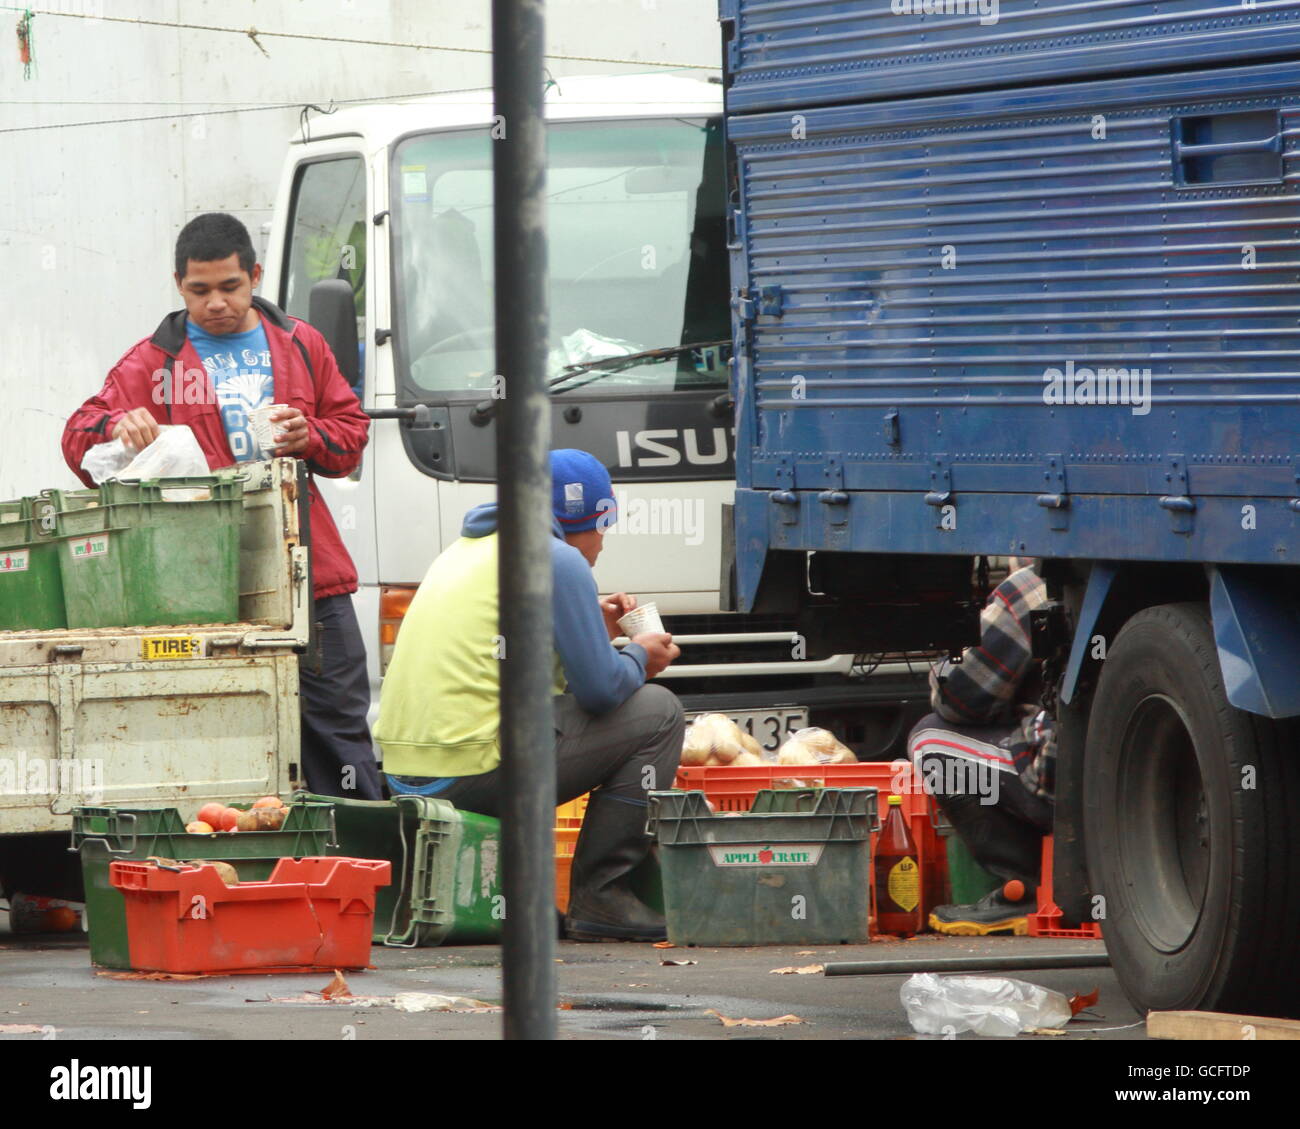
{"x":1046,"y":922}
{"x":311,"y":914}
{"x":733,"y":788}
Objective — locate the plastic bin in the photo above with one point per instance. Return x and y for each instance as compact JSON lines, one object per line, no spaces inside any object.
{"x":31,"y":585}
{"x":731,"y":788}
{"x":794,"y":870}
{"x":312,"y":914}
{"x":144,"y":555}
{"x":104,"y":834}
{"x":446,"y":885}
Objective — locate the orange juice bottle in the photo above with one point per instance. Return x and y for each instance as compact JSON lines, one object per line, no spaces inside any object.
{"x":898,"y":876}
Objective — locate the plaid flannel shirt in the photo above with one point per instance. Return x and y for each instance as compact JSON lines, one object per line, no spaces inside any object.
{"x":981,"y":689}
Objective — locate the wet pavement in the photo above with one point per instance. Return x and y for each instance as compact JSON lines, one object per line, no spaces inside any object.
{"x":606,"y":991}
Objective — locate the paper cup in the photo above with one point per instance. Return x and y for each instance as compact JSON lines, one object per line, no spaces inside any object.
{"x":640,"y":620}
{"x":262,"y":427}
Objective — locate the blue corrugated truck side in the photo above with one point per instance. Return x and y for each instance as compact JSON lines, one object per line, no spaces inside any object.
{"x":991,"y":299}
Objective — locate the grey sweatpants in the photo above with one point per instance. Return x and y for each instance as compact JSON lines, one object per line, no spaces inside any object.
{"x":626,"y":753}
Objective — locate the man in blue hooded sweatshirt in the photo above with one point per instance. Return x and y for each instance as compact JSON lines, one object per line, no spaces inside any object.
{"x":615,"y":736}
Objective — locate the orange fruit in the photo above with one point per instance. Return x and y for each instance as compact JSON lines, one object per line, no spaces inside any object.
{"x":226,"y":822}
{"x":199,"y":827}
{"x":210,"y":814}
{"x":269,"y":802}
{"x":1014,"y":890}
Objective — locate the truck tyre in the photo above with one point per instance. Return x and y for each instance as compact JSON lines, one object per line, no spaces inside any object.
{"x":1186,"y":809}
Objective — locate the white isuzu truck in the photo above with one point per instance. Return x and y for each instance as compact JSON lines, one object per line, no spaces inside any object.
{"x":383,"y":222}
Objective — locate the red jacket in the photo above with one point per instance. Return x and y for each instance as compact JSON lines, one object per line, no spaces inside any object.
{"x":305,"y":376}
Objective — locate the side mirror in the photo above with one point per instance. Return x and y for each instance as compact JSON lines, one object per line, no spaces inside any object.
{"x":332,"y":310}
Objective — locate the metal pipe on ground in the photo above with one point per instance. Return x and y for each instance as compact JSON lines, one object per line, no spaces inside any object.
{"x":524,"y":645}
{"x":908,"y":965}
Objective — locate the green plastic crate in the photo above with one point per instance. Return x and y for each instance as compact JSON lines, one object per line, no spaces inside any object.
{"x":446,"y":886}
{"x":102,"y":834}
{"x":139,"y":559}
{"x":793,"y":870}
{"x":31,"y":585}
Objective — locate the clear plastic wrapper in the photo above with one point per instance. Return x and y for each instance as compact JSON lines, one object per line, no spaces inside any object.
{"x":987,"y":1005}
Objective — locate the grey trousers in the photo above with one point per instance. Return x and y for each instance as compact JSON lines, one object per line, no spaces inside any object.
{"x":632,"y":750}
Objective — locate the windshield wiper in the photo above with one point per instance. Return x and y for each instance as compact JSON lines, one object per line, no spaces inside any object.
{"x":606,"y":366}
{"x":483,"y":411}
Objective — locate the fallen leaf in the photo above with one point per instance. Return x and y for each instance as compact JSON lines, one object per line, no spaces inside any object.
{"x":677,"y":962}
{"x":20,"y":1029}
{"x":806,"y":970}
{"x":1079,"y":1001}
{"x":779,"y":1021}
{"x":664,"y":945}
{"x":566,"y":1006}
{"x":1045,"y":1031}
{"x":805,"y":953}
{"x":336,"y":988}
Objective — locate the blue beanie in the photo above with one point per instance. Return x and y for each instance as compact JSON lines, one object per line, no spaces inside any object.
{"x":582,"y":496}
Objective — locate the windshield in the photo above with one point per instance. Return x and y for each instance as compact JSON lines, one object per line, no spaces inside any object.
{"x":636,"y":251}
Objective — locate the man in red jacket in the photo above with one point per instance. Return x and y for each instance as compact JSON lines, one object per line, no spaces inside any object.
{"x":210,"y":366}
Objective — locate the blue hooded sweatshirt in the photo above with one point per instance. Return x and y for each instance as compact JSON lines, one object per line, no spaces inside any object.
{"x":600,"y":676}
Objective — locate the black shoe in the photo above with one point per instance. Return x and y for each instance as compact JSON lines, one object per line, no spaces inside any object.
{"x":993,"y":913}
{"x":602,"y":905}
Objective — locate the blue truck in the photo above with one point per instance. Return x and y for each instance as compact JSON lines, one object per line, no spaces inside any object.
{"x":1022,"y":279}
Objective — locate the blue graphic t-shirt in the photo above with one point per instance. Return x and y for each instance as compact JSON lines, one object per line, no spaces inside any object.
{"x":239,"y":366}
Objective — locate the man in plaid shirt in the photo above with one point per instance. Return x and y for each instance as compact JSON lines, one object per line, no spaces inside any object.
{"x":987,"y":754}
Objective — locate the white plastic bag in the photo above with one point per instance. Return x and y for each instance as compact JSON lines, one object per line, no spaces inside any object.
{"x":987,"y":1005}
{"x":106,"y":460}
{"x":174,"y":454}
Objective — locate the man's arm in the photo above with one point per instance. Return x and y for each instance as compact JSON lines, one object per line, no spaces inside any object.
{"x":95,"y":421}
{"x":337,"y":429}
{"x":983,"y":685}
{"x":600,"y":676}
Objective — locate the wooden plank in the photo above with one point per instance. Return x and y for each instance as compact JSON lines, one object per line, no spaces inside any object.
{"x":1217,"y":1025}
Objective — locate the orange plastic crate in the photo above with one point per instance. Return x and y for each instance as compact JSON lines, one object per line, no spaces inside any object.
{"x":311,"y":914}
{"x":1046,"y":920}
{"x":566,"y":839}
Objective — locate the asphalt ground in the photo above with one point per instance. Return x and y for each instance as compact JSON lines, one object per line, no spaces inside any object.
{"x":606,"y":991}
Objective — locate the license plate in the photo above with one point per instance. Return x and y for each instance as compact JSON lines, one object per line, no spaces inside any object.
{"x":769,"y":728}
{"x":160,"y":648}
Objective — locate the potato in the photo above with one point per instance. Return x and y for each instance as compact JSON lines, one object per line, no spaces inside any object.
{"x":746,"y":758}
{"x":228,"y":874}
{"x":247,"y":820}
{"x":198,"y":827}
{"x":750,"y":745}
{"x":796,"y":752}
{"x":694,"y":755}
{"x":268,"y":819}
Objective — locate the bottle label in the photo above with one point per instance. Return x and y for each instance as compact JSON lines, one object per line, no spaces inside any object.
{"x":904,"y":884}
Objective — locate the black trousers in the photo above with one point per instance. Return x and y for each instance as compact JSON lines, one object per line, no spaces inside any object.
{"x":338,"y":758}
{"x":632,"y":750}
{"x":970,"y":775}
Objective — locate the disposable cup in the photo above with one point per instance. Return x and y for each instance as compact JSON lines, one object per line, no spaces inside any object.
{"x":263,"y":429}
{"x":640,"y":620}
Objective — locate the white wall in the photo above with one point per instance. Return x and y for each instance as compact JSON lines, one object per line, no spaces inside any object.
{"x":89,"y":214}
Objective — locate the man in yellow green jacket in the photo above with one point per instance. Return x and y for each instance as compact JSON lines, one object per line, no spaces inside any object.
{"x":615,"y":736}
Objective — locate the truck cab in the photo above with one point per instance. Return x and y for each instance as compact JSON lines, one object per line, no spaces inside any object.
{"x":390,"y":206}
